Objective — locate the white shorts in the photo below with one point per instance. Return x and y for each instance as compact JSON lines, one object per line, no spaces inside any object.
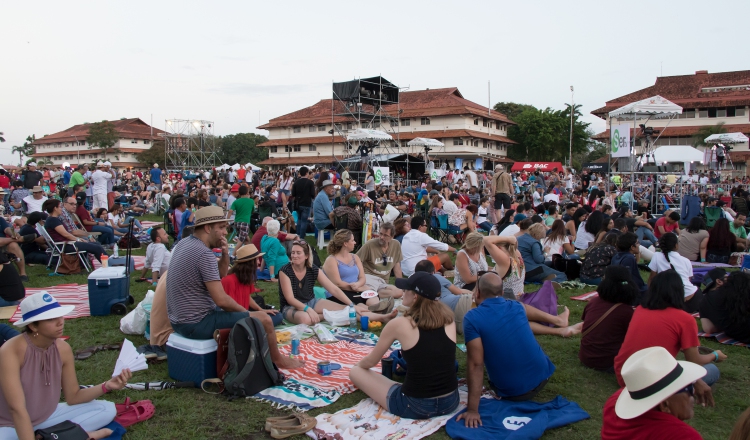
{"x":375,"y":282}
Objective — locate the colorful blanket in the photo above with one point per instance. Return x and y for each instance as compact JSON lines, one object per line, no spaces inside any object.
{"x":67,"y":295}
{"x":345,"y":353}
{"x":723,"y":338}
{"x":138,"y":260}
{"x":296,"y":395}
{"x":149,"y":224}
{"x":585,"y":296}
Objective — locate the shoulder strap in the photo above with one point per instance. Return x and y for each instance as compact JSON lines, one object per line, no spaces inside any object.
{"x":598,"y":321}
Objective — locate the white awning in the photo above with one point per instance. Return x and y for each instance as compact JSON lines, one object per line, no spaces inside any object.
{"x":655,"y":107}
{"x":726,"y":138}
{"x":375,"y":157}
{"x":252,"y":166}
{"x":425,"y":142}
{"x":235,"y":167}
{"x":366,"y":134}
{"x":677,"y":153}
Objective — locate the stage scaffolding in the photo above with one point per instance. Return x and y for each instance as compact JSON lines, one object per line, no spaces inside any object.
{"x":190,"y":144}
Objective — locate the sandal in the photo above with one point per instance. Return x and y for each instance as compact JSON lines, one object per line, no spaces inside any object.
{"x":301,"y":425}
{"x":384,"y":307}
{"x":132,"y":413}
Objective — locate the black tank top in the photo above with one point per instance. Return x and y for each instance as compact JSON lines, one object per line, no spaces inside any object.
{"x":431,"y":365}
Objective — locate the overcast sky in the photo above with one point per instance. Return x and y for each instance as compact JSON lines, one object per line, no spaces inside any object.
{"x":241,"y":63}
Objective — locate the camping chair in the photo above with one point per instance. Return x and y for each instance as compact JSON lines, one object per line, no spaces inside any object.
{"x":664,"y":202}
{"x":57,"y":249}
{"x":434,"y":230}
{"x":169,"y":225}
{"x":445,"y":229}
{"x":712,"y":213}
{"x":77,"y":221}
{"x":161,"y":204}
{"x":342,"y":222}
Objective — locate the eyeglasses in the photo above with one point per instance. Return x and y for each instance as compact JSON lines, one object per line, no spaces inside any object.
{"x":688,"y":389}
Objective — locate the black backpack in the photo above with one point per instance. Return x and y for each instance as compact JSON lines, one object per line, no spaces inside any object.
{"x":250,"y":369}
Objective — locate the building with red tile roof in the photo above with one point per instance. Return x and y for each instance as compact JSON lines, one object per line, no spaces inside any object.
{"x":468,"y":130}
{"x":71,"y":145}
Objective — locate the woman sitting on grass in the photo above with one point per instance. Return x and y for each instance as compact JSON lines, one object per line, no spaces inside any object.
{"x":721,"y":242}
{"x":37,"y":366}
{"x":598,"y":258}
{"x":606,"y":319}
{"x":470,"y":261}
{"x":556,"y":242}
{"x":504,"y":222}
{"x":670,"y":259}
{"x":727,"y":309}
{"x":297,"y":298}
{"x":427,"y":333}
{"x":694,"y":240}
{"x":240,"y":281}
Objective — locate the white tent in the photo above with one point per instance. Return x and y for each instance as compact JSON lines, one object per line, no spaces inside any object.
{"x":425,"y":142}
{"x":654,"y":107}
{"x":252,"y":166}
{"x":223,"y":167}
{"x":235,"y":167}
{"x":726,"y":138}
{"x":366,"y":134}
{"x":683,"y":154}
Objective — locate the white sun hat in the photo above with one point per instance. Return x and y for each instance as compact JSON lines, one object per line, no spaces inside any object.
{"x":652,"y":375}
{"x":39,"y":307}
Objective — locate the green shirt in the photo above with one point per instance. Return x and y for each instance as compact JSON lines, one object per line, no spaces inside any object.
{"x":243,"y":208}
{"x":76,"y":179}
{"x":739,"y":231}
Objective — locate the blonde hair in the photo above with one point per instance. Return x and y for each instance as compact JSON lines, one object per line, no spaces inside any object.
{"x":511,"y":248}
{"x":428,"y":314}
{"x":339,"y":239}
{"x":473,"y":242}
{"x":536,"y":231}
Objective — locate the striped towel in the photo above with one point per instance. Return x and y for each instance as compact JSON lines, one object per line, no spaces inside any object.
{"x":67,"y":295}
{"x":296,"y":395}
{"x":149,"y":224}
{"x":345,"y":353}
{"x":723,"y":338}
{"x":585,"y":296}
{"x":139,"y":261}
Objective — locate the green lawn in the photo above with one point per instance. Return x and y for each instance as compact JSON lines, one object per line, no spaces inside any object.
{"x":190,"y":413}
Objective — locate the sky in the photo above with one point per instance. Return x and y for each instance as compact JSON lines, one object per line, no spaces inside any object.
{"x":241,"y":63}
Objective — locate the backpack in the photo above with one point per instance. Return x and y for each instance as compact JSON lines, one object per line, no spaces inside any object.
{"x":129,"y":241}
{"x":248,"y":368}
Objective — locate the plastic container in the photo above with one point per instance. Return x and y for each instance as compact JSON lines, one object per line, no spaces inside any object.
{"x":191,"y":360}
{"x":352,"y":317}
{"x":108,"y":291}
{"x":105,"y":260}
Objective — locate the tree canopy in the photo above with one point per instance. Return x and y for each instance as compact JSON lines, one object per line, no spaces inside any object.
{"x":104,"y":135}
{"x":706,"y":131}
{"x":153,"y":155}
{"x":241,"y":148}
{"x":27,"y":149}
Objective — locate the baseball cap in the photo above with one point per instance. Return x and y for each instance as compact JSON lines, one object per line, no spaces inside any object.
{"x":31,"y":164}
{"x":423,"y":283}
{"x":235,"y":188}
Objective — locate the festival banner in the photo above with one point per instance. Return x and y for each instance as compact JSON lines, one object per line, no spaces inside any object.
{"x":619,"y":140}
{"x":382,"y":175}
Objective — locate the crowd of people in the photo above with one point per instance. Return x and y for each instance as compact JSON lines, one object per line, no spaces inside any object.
{"x":461,"y":249}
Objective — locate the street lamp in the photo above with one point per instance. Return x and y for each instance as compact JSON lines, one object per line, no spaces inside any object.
{"x":572,"y":106}
{"x":78,"y":147}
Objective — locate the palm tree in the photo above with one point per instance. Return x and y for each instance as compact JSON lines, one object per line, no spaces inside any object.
{"x":706,"y":131}
{"x":2,"y":136}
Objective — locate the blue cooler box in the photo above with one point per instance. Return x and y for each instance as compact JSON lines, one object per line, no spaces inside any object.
{"x":120,"y":261}
{"x":107,"y":286}
{"x":191,"y":360}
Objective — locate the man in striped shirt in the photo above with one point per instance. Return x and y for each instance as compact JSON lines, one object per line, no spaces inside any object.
{"x":196,"y":302}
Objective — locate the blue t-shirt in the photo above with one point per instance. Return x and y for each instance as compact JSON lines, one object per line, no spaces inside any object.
{"x":321,"y":208}
{"x":516,"y":364}
{"x":155,"y":175}
{"x":446,"y":297}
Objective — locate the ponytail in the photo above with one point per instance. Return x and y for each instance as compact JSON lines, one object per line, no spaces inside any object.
{"x":668,"y":243}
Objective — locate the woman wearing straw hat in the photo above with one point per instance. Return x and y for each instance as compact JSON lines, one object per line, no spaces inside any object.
{"x":240,"y":281}
{"x":656,"y":399}
{"x":36,"y":366}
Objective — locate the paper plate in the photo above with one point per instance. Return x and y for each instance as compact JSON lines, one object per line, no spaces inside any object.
{"x":369,"y":294}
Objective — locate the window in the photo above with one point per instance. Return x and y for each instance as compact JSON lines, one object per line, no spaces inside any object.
{"x":348,"y":125}
{"x":297,"y":129}
{"x":365,"y":125}
{"x":425,"y":121}
{"x":458,"y":141}
{"x":476,"y":121}
{"x":721,"y":113}
{"x":146,"y":142}
{"x":484,"y":122}
{"x":739,"y":111}
{"x":312,"y":148}
{"x":498,"y":125}
{"x":321,"y":128}
{"x":311,"y":128}
{"x":338,"y":127}
{"x":273,"y":149}
{"x":286,"y":148}
{"x":394,"y":123}
{"x":703,"y":113}
{"x":405,"y":122}
{"x":476,"y":142}
{"x":134,"y":141}
{"x":687,"y":114}
{"x":297,"y":148}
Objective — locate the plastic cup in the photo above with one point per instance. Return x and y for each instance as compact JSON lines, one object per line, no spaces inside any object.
{"x":364,"y":322}
{"x":105,"y":260}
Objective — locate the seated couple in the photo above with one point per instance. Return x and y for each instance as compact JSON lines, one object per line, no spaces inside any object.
{"x":196,"y":302}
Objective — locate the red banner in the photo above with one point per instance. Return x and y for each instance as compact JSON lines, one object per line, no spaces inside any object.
{"x":533,"y":166}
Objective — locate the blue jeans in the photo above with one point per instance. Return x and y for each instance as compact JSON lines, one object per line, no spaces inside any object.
{"x":646,"y":236}
{"x":205,"y":328}
{"x":7,"y":332}
{"x":107,"y":234}
{"x":546,"y":271}
{"x":485,"y":225}
{"x":420,"y":408}
{"x":303,"y":216}
{"x":712,"y":375}
{"x":591,"y":281}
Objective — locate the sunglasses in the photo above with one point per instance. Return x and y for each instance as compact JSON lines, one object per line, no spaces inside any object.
{"x":302,"y":243}
{"x":688,"y":389}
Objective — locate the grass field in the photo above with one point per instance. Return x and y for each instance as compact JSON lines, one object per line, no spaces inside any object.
{"x":193,"y":414}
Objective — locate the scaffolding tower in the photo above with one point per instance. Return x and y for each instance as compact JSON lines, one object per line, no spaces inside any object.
{"x":190,"y":144}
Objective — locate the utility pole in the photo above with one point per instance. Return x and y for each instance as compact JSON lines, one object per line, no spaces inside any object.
{"x":572,"y":109}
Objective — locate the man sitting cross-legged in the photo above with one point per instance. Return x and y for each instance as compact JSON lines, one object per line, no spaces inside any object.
{"x":498,"y":334}
{"x":196,"y":302}
{"x":379,"y":257}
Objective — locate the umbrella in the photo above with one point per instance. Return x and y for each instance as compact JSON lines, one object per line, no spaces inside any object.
{"x":157,"y":386}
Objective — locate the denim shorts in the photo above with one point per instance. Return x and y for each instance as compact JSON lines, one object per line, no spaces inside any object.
{"x":420,"y":408}
{"x":287,"y":308}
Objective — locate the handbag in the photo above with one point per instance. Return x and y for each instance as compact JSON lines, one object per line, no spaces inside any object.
{"x":66,"y":430}
{"x":601,"y":318}
{"x":69,"y":265}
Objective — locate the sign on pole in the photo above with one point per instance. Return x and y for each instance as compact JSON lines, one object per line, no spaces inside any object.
{"x":619,"y":140}
{"x":382,"y":175}
{"x":437,"y":174}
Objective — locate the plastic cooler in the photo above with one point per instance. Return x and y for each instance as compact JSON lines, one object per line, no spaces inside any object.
{"x":120,"y":261}
{"x":108,"y":291}
{"x":191,"y":360}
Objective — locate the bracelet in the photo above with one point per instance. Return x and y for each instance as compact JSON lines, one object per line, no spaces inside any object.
{"x":716,"y":356}
{"x":104,"y":387}
{"x":703,"y":260}
{"x":305,"y":309}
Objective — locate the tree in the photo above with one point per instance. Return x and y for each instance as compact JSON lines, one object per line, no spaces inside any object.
{"x":512,"y":109}
{"x":706,"y":131}
{"x":104,"y":135}
{"x":153,"y":155}
{"x":2,"y":136}
{"x":241,"y":148}
{"x":27,"y":149}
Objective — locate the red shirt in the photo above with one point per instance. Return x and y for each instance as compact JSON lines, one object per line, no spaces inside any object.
{"x":671,"y":328}
{"x":241,"y":174}
{"x":260,"y":232}
{"x":83,"y":214}
{"x":653,"y":425}
{"x":4,"y":181}
{"x":663,"y":223}
{"x":239,"y":292}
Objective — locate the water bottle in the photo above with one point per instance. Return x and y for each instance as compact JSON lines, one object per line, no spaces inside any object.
{"x":115,"y":251}
{"x":352,"y":317}
{"x":231,"y":250}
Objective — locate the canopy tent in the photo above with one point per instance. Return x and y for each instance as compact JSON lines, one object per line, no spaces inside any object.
{"x":367,"y":134}
{"x":252,"y":167}
{"x":726,"y":138}
{"x":534,"y":166}
{"x":654,"y":107}
{"x":425,"y":142}
{"x":235,"y":167}
{"x":678,"y":154}
{"x":223,"y":167}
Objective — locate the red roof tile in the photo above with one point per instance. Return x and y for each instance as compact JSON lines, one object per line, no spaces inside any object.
{"x":85,"y":151}
{"x":686,"y":91}
{"x":683,"y":131}
{"x":133,"y":128}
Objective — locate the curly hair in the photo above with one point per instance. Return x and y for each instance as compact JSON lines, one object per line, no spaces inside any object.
{"x":338,"y":240}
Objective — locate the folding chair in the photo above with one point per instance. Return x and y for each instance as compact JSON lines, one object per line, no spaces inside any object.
{"x":434,"y":229}
{"x":57,"y":249}
{"x":712,"y":213}
{"x":77,"y":221}
{"x":445,"y":229}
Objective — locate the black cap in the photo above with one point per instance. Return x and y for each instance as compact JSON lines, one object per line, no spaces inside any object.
{"x":423,"y":283}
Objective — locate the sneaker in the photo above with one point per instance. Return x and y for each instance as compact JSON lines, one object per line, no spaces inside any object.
{"x":161,"y":355}
{"x":147,"y":351}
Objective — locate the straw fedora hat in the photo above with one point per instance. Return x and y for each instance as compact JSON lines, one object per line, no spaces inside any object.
{"x":652,"y":375}
{"x":248,"y":252}
{"x":39,"y":307}
{"x":209,"y":214}
{"x":37,"y":189}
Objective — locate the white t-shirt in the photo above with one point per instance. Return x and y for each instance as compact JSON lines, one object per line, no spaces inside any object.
{"x":471,"y":176}
{"x":583,"y":238}
{"x":704,"y":180}
{"x":114,"y":219}
{"x":536,"y":199}
{"x":100,"y":179}
{"x":33,"y":204}
{"x":552,"y":196}
{"x":555,"y":247}
{"x":509,"y":231}
{"x":414,"y":249}
{"x":681,"y":264}
{"x":158,"y":257}
{"x":450,"y":207}
{"x":481,"y":214}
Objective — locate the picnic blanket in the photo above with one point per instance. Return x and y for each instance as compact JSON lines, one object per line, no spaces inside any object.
{"x":517,"y":420}
{"x":343,"y":352}
{"x":138,"y":260}
{"x":585,"y":296}
{"x":710,"y":265}
{"x":67,"y":295}
{"x":723,"y":338}
{"x":149,"y":224}
{"x":296,"y":395}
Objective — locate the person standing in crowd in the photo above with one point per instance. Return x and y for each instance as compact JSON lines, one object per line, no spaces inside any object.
{"x":31,"y":176}
{"x":303,"y":192}
{"x":100,"y":177}
{"x":322,"y":208}
{"x":243,"y":207}
{"x":110,"y":184}
{"x":155,"y":174}
{"x":471,"y":176}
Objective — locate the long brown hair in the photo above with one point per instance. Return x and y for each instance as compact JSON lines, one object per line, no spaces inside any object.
{"x":556,"y":231}
{"x":245,"y":271}
{"x":428,"y":314}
